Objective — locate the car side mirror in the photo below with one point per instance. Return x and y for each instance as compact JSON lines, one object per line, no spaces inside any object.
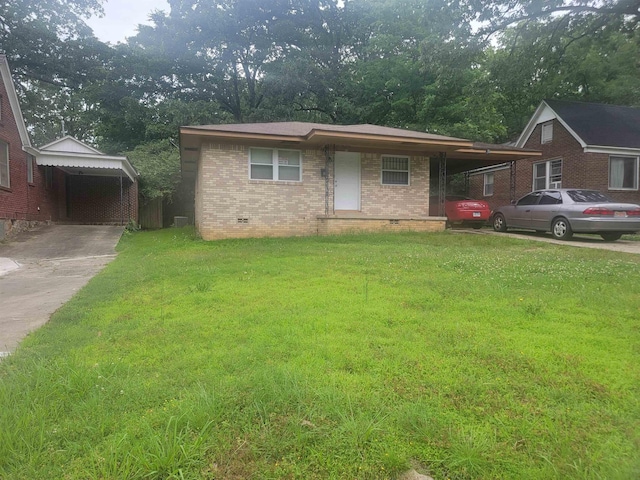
{"x":513,"y":202}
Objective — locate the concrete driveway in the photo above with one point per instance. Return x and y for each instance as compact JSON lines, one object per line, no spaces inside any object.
{"x":583,"y":241}
{"x":42,"y":269}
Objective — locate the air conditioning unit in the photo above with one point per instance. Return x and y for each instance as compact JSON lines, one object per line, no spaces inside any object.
{"x":555,"y":185}
{"x":179,"y":222}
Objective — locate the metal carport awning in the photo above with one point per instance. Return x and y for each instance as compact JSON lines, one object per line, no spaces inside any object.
{"x":84,"y":164}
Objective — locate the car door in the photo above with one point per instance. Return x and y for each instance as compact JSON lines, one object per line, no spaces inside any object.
{"x":545,"y":210}
{"x":520,"y":214}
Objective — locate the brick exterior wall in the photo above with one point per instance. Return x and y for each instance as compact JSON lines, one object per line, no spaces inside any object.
{"x":501,"y":188}
{"x":94,"y":199}
{"x":228,"y":204}
{"x":399,"y":200}
{"x":579,"y":169}
{"x":22,"y":200}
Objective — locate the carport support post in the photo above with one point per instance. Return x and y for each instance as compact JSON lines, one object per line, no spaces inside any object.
{"x":512,"y":181}
{"x":442,"y":182}
{"x":121,"y":200}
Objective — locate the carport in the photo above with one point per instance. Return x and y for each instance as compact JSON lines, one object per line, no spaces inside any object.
{"x":86,"y":185}
{"x":480,"y":155}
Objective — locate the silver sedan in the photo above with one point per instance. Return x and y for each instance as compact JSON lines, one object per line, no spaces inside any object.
{"x":566,"y":211}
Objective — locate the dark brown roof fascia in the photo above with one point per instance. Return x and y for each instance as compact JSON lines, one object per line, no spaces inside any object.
{"x":402,"y":140}
{"x":491,"y":151}
{"x":240,"y":135}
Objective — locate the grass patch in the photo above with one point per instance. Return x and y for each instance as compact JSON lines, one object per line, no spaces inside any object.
{"x":334,"y":357}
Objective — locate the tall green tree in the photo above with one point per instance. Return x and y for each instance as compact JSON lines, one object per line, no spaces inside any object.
{"x":537,"y":60}
{"x":53,"y":55}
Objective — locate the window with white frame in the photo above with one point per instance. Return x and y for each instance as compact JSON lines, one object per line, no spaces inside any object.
{"x":547,"y":174}
{"x":5,"y":181}
{"x":547,"y":132}
{"x":29,"y":168}
{"x":395,"y":170}
{"x":488,"y":184}
{"x":275,"y":164}
{"x":623,"y":173}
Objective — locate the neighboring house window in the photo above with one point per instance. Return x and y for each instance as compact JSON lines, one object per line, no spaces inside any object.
{"x":547,"y":132}
{"x":547,"y":174}
{"x":623,"y":173}
{"x":274,"y":164}
{"x":488,"y":184}
{"x":395,"y":170}
{"x":5,"y":181}
{"x":29,"y":169}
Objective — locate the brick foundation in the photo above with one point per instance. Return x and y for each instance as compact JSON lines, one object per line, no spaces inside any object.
{"x":339,"y":225}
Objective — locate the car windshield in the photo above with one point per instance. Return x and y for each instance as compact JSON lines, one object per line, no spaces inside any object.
{"x":587,"y":196}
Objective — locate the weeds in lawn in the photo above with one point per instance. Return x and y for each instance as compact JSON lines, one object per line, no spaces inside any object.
{"x":335,"y":357}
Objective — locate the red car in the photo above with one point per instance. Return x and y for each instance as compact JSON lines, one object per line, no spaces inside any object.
{"x":464,"y":211}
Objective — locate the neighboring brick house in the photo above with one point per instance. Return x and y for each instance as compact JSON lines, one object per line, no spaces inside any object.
{"x":584,"y":145}
{"x":296,"y":178}
{"x":64,"y":181}
{"x":22,"y":185}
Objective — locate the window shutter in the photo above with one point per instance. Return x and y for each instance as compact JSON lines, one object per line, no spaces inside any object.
{"x":547,"y":132}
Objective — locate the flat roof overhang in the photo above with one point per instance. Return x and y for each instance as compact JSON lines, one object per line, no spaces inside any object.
{"x":480,"y":156}
{"x":462,"y":155}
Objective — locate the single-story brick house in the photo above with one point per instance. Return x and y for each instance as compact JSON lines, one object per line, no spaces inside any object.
{"x":64,"y":181}
{"x":297,"y":178}
{"x":584,"y":145}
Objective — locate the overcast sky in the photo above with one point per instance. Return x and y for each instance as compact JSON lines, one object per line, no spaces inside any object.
{"x":122,"y":17}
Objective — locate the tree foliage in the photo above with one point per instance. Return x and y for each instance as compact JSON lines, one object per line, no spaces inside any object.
{"x":158,"y":164}
{"x":53,"y":56}
{"x":467,"y":68}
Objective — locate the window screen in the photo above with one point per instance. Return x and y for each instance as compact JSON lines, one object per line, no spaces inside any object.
{"x":395,"y":170}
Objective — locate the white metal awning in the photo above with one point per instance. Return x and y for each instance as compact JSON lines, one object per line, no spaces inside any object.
{"x":77,"y":158}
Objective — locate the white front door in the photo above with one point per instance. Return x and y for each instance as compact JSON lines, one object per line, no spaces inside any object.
{"x":347,"y":181}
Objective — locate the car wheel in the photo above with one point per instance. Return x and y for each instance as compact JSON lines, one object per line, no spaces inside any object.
{"x":561,"y":229}
{"x":499,"y":224}
{"x":610,"y":236}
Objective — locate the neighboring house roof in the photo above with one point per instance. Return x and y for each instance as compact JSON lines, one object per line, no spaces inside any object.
{"x":70,"y":144}
{"x":10,"y":87}
{"x":597,"y":127}
{"x":76,"y":157}
{"x":363,"y":137}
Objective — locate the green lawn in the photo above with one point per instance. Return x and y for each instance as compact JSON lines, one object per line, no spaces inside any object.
{"x":352,"y":357}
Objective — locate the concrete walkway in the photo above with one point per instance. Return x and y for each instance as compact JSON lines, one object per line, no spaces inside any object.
{"x":578,"y":240}
{"x":42,"y":269}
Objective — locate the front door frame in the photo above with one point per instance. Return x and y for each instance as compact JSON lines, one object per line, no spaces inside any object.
{"x":342,"y":177}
